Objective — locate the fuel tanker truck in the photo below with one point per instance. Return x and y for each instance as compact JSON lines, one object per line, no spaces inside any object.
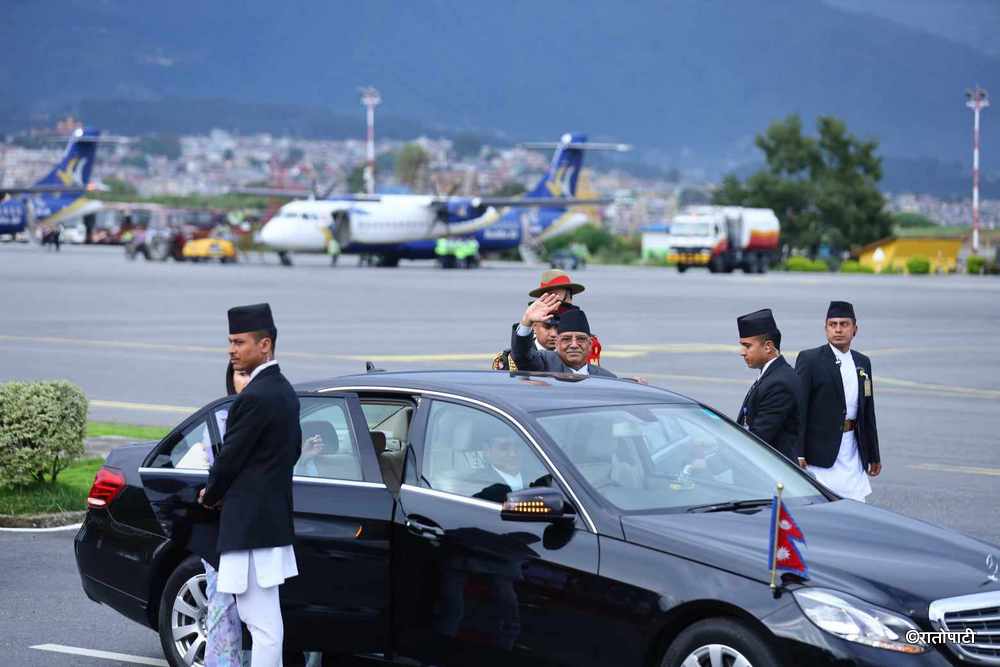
{"x":723,"y":238}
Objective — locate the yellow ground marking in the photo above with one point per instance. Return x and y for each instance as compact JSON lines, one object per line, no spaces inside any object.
{"x":692,"y":378}
{"x":144,"y":407}
{"x":944,"y":467}
{"x":894,"y":385}
{"x":941,"y":388}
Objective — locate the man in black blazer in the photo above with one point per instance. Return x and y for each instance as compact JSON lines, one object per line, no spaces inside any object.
{"x":770,"y":409}
{"x":251,"y":480}
{"x":838,"y":404}
{"x":573,"y":340}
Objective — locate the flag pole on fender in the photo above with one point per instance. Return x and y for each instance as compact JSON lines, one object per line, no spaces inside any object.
{"x":775,"y":518}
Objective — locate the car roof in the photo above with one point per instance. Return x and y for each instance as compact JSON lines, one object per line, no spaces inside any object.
{"x":526,"y":392}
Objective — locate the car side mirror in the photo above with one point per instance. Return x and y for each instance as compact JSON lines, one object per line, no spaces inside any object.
{"x":536,"y":504}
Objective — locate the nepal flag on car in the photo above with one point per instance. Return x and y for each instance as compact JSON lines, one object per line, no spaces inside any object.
{"x":785,"y":539}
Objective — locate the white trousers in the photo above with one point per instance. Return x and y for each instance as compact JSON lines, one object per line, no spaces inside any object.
{"x":260,"y":609}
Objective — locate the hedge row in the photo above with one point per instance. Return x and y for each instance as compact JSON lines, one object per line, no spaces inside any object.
{"x":42,"y":427}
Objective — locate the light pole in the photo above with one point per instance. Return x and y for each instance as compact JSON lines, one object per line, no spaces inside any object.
{"x":370,"y":99}
{"x":976,"y":99}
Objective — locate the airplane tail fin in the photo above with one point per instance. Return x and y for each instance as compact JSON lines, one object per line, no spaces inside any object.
{"x":73,"y":170}
{"x":561,"y":177}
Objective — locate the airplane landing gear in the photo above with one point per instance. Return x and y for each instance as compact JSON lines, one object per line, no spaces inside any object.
{"x":285,"y":258}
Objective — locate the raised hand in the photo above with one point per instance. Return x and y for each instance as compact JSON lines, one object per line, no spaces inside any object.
{"x":541,"y":309}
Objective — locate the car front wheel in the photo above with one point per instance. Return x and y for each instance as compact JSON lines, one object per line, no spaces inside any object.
{"x":719,"y":642}
{"x":182,"y":618}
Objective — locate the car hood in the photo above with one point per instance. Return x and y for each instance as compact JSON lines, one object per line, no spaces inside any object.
{"x":874,"y":554}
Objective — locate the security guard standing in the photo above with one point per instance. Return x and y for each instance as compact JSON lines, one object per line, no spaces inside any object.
{"x":838,"y":401}
{"x":770,"y":409}
{"x":251,"y":483}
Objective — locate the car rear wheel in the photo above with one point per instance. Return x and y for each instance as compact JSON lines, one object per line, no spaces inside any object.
{"x":182,"y":617}
{"x":719,"y":642}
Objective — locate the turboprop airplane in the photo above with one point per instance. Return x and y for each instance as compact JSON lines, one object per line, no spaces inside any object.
{"x":58,"y":195}
{"x":394,"y":227}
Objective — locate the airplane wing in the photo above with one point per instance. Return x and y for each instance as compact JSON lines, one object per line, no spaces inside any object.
{"x":298,"y":194}
{"x":39,"y":189}
{"x":543,"y":202}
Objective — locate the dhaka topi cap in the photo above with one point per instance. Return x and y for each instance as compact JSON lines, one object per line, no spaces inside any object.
{"x":256,"y":317}
{"x":757,"y":323}
{"x":840,"y":309}
{"x":573,"y":320}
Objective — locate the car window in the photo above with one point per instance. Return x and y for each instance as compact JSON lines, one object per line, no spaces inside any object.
{"x":668,"y":457}
{"x":329,"y":449}
{"x":475,"y":454}
{"x":392,"y":419}
{"x":193,"y":450}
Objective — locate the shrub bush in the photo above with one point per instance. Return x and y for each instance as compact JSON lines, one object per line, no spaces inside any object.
{"x":854,"y":266}
{"x":918,"y":265}
{"x":975,"y":264}
{"x":892,"y":269}
{"x":798,"y":263}
{"x":42,"y":425}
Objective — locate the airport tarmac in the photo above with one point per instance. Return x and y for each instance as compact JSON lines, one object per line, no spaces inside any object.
{"x":147,"y":342}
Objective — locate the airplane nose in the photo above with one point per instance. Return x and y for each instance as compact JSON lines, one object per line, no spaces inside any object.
{"x":270,"y":233}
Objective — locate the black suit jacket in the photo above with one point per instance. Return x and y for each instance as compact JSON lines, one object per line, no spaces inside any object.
{"x":529,"y":358}
{"x":771,"y":409}
{"x":825,"y":408}
{"x":252,"y":475}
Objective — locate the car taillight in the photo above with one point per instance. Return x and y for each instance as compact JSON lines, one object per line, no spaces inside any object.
{"x":108,"y":483}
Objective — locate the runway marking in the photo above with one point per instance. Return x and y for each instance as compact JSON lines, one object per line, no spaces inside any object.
{"x":942,"y":388}
{"x":894,"y":385}
{"x":968,"y":470}
{"x":104,"y":655}
{"x":72,"y":526}
{"x":145,"y":407}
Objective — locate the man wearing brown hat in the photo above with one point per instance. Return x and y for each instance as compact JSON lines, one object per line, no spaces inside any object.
{"x":770,"y":409}
{"x":838,"y":403}
{"x":555,"y":282}
{"x":251,"y":482}
{"x":573,"y":340}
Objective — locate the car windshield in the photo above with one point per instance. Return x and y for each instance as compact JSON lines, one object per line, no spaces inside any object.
{"x":691,"y":228}
{"x":670,"y":457}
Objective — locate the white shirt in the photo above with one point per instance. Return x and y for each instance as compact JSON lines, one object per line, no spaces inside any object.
{"x":513,"y":481}
{"x":255,"y":372}
{"x":271,"y":564}
{"x":849,"y":376}
{"x":764,"y":369}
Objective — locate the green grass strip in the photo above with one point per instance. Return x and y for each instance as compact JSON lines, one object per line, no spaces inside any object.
{"x":67,"y":494}
{"x":132,"y":431}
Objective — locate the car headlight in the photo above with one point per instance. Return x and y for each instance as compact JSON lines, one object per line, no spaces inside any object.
{"x":857,"y":621}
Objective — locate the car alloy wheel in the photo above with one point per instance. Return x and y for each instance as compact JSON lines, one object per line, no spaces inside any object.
{"x":716,"y":655}
{"x":188,"y":620}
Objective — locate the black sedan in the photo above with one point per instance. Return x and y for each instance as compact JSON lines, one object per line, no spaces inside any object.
{"x":482,"y":517}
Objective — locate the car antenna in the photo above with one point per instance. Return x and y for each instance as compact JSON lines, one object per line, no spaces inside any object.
{"x":370,"y":368}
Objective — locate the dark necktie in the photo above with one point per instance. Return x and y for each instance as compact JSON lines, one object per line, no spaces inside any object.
{"x":745,"y":408}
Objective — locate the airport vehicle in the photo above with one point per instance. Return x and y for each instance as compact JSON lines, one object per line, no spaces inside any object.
{"x":198,"y":250}
{"x":640,"y":536}
{"x":724,"y":238}
{"x":394,"y":227}
{"x":567,"y":259}
{"x":59,"y":194}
